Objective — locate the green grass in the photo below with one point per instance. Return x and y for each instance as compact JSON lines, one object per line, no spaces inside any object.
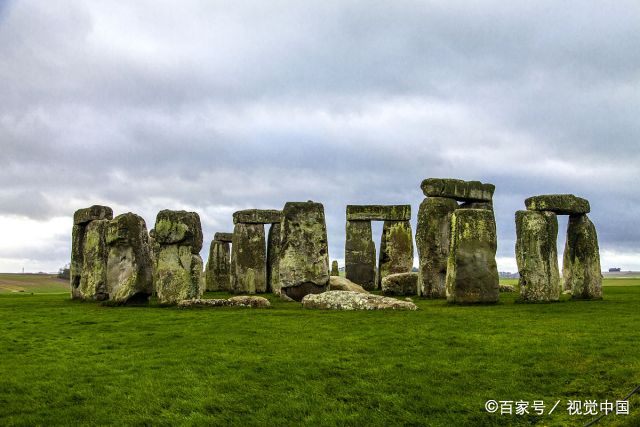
{"x":71,"y":363}
{"x":36,"y":283}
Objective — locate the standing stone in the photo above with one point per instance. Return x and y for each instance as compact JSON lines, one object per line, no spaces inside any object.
{"x":179,"y":266}
{"x":273,"y":259}
{"x":154,"y":247}
{"x":304,"y":251}
{"x":93,"y":281}
{"x":335,"y":270}
{"x":432,"y":240}
{"x":129,"y":265}
{"x":581,"y":267}
{"x":360,"y":254}
{"x":537,"y":256}
{"x":472,"y":273}
{"x":396,"y":250}
{"x":249,"y":263}
{"x":218,"y":269}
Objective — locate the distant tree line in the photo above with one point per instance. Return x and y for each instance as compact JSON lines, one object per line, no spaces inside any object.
{"x":65,"y":272}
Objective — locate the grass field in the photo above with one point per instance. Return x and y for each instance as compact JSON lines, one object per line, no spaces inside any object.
{"x":36,"y":283}
{"x":68,"y":363}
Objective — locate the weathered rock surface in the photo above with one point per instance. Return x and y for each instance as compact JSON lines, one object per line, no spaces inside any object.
{"x":378,"y":212}
{"x":433,"y":240}
{"x":507,"y":288}
{"x":344,"y":300}
{"x":396,"y":250}
{"x":249,"y":259}
{"x":477,"y":205}
{"x":360,"y":254}
{"x":562,"y":204}
{"x":273,"y":259}
{"x":129,"y":264}
{"x":179,"y":228}
{"x":337,"y":283}
{"x":335,"y":270}
{"x":93,"y":213}
{"x":218,"y":269}
{"x":223,"y":237}
{"x":93,"y":279}
{"x":581,"y":267}
{"x":537,"y":256}
{"x":257,"y":216}
{"x":472,"y":273}
{"x":466,"y":191}
{"x":304,"y":251}
{"x":400,"y":284}
{"x":239,"y":301}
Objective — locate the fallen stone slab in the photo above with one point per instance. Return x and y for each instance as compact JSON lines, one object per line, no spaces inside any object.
{"x":93,"y":213}
{"x":239,"y":301}
{"x":561,"y":204}
{"x":378,"y":212}
{"x":400,"y":284}
{"x":344,"y":300}
{"x":223,"y":237}
{"x":337,"y":283}
{"x":465,"y":191}
{"x":257,"y":216}
{"x":507,"y":288}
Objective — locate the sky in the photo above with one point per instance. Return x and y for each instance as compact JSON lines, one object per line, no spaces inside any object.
{"x":217,"y":106}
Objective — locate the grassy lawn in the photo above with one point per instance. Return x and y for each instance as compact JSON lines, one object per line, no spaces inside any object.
{"x":67,"y":363}
{"x":37,"y":283}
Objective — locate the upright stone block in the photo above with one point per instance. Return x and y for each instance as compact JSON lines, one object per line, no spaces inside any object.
{"x":433,"y":241}
{"x":93,"y":281}
{"x":129,"y":265}
{"x":304,"y":256}
{"x":273,"y":259}
{"x":335,"y":271}
{"x":249,"y":263}
{"x":218,"y":269}
{"x":537,"y":256}
{"x":360,"y":254}
{"x":396,"y":250}
{"x":178,"y":265}
{"x":472,"y":273}
{"x":581,"y":266}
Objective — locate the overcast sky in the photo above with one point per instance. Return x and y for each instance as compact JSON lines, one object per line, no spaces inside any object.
{"x":220,"y":106}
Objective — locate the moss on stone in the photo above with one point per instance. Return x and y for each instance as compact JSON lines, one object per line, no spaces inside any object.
{"x":273,"y":259}
{"x":396,"y":250}
{"x":93,"y":213}
{"x":257,"y":216}
{"x":94,"y":275}
{"x":334,"y":268}
{"x":378,"y":212}
{"x":581,"y":267}
{"x":249,"y":265}
{"x":561,"y":204}
{"x":179,"y":227}
{"x":217,"y":272}
{"x":360,"y":254}
{"x":466,"y":191}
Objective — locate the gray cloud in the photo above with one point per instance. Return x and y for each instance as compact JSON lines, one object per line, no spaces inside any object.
{"x":217,"y":107}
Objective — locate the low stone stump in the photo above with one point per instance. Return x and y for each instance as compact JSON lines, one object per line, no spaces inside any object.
{"x":360,"y":254}
{"x":472,"y":273}
{"x":337,"y":283}
{"x":344,"y":300}
{"x":581,"y":265}
{"x":239,"y":301}
{"x":561,"y":204}
{"x":537,"y":256}
{"x":400,"y":284}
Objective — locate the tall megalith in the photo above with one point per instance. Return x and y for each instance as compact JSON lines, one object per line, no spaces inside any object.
{"x":396,"y":250}
{"x":273,"y":259}
{"x":304,"y":251}
{"x":581,"y":266}
{"x":360,"y":254}
{"x":218,"y":268}
{"x":249,"y":263}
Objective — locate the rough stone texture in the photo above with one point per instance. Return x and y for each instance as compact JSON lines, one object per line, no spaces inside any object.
{"x":337,"y":283}
{"x":562,"y":204}
{"x":477,"y":205}
{"x":344,"y":300}
{"x":180,"y":228}
{"x":400,"y":284}
{"x":223,"y":237}
{"x":273,"y":261}
{"x":335,"y":270}
{"x":433,"y":240}
{"x":537,"y":256}
{"x":257,"y":216}
{"x":177,"y":274}
{"x":218,"y":269}
{"x":239,"y":301}
{"x":129,"y":264}
{"x":154,"y":247}
{"x":249,"y":259}
{"x":77,"y":260}
{"x":507,"y":288}
{"x":581,"y":266}
{"x":378,"y":212}
{"x":472,"y":273}
{"x":360,"y":254}
{"x":93,"y":279}
{"x":465,"y":191}
{"x":396,"y":250}
{"x":304,"y":251}
{"x":93,"y":213}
